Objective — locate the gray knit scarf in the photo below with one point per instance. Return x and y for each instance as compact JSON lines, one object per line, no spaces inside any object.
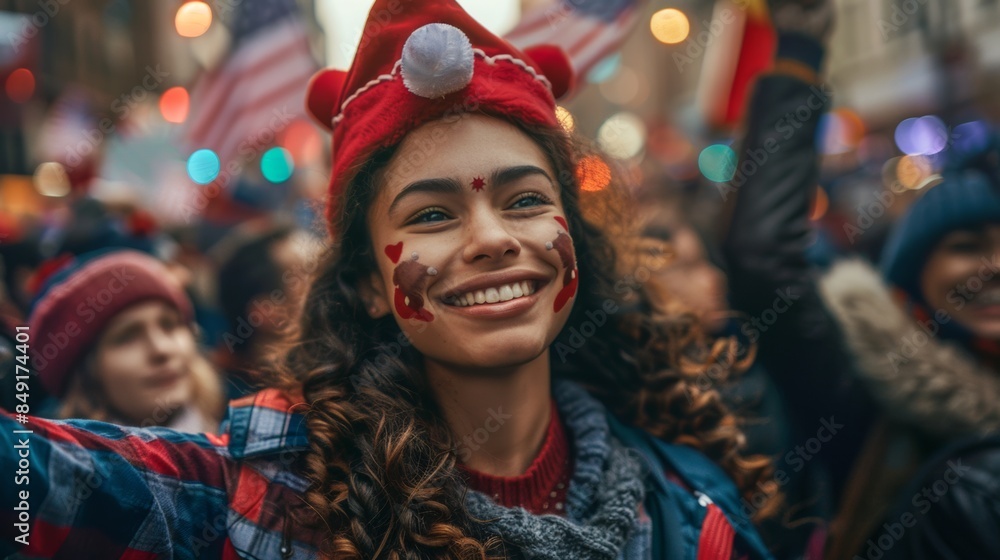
{"x":602,"y":500}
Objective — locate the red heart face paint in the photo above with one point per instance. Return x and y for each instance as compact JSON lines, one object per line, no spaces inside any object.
{"x":571,"y":281}
{"x":394,"y":251}
{"x":478,"y":183}
{"x":410,"y":278}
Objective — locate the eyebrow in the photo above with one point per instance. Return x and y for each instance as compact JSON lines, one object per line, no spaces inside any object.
{"x":498,"y":178}
{"x":438,"y":186}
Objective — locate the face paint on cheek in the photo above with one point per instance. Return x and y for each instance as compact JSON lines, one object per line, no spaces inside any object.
{"x":410,"y":279}
{"x":394,"y":251}
{"x":571,"y":281}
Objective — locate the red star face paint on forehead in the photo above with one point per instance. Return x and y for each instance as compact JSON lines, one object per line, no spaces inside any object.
{"x":478,"y":183}
{"x":571,"y":281}
{"x":410,"y":279}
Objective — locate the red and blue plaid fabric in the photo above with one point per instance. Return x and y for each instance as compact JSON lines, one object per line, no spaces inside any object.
{"x":101,"y":491}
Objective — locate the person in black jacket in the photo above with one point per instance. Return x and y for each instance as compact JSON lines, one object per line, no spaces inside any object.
{"x":831,"y":350}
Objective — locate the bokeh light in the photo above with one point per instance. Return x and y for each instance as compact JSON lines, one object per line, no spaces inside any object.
{"x":593,"y":174}
{"x":277,"y":165}
{"x":51,"y":179}
{"x":193,"y":19}
{"x":203,"y":166}
{"x":174,"y":105}
{"x":921,"y":136}
{"x":605,"y":69}
{"x":623,"y":88}
{"x":566,"y":119}
{"x":622,"y":136}
{"x":20,"y":85}
{"x":914,"y":172}
{"x":670,"y":26}
{"x":840,"y":131}
{"x":971,"y":137}
{"x":303,"y":141}
{"x":717,"y":163}
{"x":820,"y":204}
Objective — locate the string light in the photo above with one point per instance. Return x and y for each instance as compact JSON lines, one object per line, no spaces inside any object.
{"x":670,"y":26}
{"x":566,"y":119}
{"x":717,"y":163}
{"x":174,"y":105}
{"x":593,"y":174}
{"x":193,"y":19}
{"x":20,"y":85}
{"x":203,"y":166}
{"x":277,"y":165}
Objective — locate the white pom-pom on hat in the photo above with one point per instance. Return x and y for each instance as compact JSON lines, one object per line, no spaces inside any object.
{"x":437,"y":60}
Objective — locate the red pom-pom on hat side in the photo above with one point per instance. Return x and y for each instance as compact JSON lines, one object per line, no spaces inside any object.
{"x":555,"y":65}
{"x":323,"y":97}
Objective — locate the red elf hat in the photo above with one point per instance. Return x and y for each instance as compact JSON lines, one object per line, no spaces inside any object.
{"x":418,"y":62}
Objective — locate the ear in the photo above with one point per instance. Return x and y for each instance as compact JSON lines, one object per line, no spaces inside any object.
{"x":555,"y":66}
{"x":323,"y":97}
{"x":373,"y":295}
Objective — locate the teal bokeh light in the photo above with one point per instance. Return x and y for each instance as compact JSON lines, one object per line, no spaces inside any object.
{"x":717,"y":163}
{"x":277,"y":165}
{"x":203,"y":166}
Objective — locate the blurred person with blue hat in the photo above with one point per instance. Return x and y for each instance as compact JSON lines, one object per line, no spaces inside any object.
{"x":925,"y":334}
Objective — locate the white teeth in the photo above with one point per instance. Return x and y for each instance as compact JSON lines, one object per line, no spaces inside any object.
{"x":506,"y":293}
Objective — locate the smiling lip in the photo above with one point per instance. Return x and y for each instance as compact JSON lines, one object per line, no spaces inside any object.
{"x":495,"y":280}
{"x":502,"y":309}
{"x":499,"y":310}
{"x":165,"y":379}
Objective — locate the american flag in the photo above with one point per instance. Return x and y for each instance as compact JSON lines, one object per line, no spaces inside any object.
{"x":588,"y":30}
{"x":238,"y":107}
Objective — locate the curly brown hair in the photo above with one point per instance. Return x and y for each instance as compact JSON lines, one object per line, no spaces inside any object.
{"x":382,"y":460}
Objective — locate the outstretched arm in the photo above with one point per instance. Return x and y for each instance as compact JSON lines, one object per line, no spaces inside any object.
{"x":772,"y":282}
{"x":86,"y":489}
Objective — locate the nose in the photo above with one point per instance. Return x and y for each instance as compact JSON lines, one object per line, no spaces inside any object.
{"x":160,"y":343}
{"x":488,"y":237}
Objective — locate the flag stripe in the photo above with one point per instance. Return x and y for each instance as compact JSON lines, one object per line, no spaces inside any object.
{"x":586,"y":38}
{"x":222,"y":86}
{"x":255,"y":89}
{"x":287,"y":99}
{"x":265,"y":73}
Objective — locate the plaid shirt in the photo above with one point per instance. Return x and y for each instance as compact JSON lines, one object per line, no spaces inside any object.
{"x":96,"y":490}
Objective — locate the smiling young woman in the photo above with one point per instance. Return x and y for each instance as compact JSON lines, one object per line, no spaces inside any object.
{"x":421,"y":412}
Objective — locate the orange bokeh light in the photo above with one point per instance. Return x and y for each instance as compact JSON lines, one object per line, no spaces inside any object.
{"x":20,"y":85}
{"x":174,"y":105}
{"x":193,"y":19}
{"x":820,"y":204}
{"x":670,"y":26}
{"x":303,"y":141}
{"x":593,"y":174}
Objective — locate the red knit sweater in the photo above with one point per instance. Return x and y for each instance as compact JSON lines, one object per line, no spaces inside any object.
{"x":542,"y":488}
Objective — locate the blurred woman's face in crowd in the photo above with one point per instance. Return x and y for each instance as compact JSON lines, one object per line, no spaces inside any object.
{"x":143,"y":360}
{"x":960,"y":278}
{"x":690,"y":278}
{"x":471,"y":242}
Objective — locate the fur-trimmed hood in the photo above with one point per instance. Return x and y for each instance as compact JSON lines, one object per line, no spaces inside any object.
{"x":932,"y":385}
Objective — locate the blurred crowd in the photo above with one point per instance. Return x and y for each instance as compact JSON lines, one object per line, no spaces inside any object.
{"x":871,"y":329}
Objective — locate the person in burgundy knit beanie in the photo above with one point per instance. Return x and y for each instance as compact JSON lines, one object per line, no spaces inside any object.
{"x":79,"y":303}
